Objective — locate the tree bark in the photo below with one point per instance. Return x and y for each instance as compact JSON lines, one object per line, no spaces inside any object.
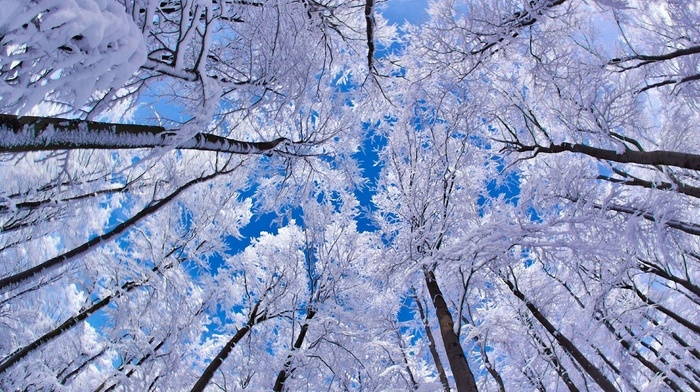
{"x":214,"y":365}
{"x":432,"y":346}
{"x":287,"y":371}
{"x":565,"y":343}
{"x":552,"y":357}
{"x":675,"y":316}
{"x":636,"y":355}
{"x":25,"y":134}
{"x":65,"y":326}
{"x":464,"y":378}
{"x":64,"y":258}
{"x":660,"y":157}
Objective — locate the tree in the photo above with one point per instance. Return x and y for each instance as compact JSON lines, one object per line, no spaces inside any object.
{"x":502,"y":198}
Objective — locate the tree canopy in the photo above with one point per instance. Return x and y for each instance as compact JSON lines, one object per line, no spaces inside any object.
{"x":303,"y":195}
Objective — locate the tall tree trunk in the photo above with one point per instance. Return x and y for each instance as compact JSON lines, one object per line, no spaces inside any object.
{"x":24,"y":134}
{"x":464,"y":378}
{"x":432,"y":346}
{"x":411,"y":378}
{"x":552,"y":358}
{"x":214,"y":365}
{"x":287,"y":370}
{"x":60,"y":260}
{"x":65,"y":326}
{"x":673,"y":315}
{"x":639,"y":357}
{"x":563,"y":342}
{"x":668,"y":158}
{"x":131,"y":371}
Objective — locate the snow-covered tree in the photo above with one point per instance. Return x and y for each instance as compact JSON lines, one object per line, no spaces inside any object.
{"x":533,"y":212}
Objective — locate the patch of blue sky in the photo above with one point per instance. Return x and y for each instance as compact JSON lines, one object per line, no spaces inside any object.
{"x":505,"y":186}
{"x":368,"y":160}
{"x":399,"y":12}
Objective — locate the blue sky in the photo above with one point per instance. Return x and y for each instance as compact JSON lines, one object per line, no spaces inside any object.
{"x":400,"y":11}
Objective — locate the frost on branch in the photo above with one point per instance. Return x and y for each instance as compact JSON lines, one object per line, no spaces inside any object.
{"x":63,"y":51}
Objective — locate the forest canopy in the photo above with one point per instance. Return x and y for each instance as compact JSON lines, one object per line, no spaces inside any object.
{"x":298,"y":195}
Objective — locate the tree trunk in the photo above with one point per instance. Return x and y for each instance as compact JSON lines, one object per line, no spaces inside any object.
{"x":668,"y":158}
{"x":65,"y":326}
{"x":56,"y":262}
{"x":208,"y":373}
{"x":639,"y":357}
{"x":464,"y":378}
{"x":565,"y":343}
{"x":552,"y":357}
{"x":287,"y":371}
{"x":24,"y":134}
{"x":432,"y":346}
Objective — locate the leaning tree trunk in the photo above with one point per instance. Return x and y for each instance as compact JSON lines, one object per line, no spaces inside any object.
{"x":287,"y":370}
{"x":62,"y":259}
{"x":563,"y":342}
{"x":65,"y":326}
{"x":25,"y":134}
{"x":214,"y":365}
{"x":659,"y":157}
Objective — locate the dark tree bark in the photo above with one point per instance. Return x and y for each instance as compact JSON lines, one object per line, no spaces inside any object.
{"x":25,"y":134}
{"x":369,"y":21}
{"x":464,"y":378}
{"x":660,"y":272}
{"x":287,"y":370}
{"x":660,"y":157}
{"x":686,"y":227}
{"x":595,"y":373}
{"x":512,"y":26}
{"x":60,"y":260}
{"x":664,"y":186}
{"x":639,"y":357}
{"x":226,"y":350}
{"x":65,"y":326}
{"x":131,"y":371}
{"x":432,"y":346}
{"x":552,"y":357}
{"x":673,"y":315}
{"x":639,"y":60}
{"x":64,"y":377}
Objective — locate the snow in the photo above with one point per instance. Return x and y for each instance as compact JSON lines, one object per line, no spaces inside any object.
{"x":65,"y":50}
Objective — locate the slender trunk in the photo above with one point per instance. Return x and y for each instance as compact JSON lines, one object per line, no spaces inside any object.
{"x":24,"y":134}
{"x":675,"y":316}
{"x":668,"y":158}
{"x":131,"y":371}
{"x":287,"y":370}
{"x":37,"y":204}
{"x":65,"y":326}
{"x":656,"y":270}
{"x":687,"y":227}
{"x":208,"y":373}
{"x":512,"y":26}
{"x":432,"y":346}
{"x":664,"y":186}
{"x":464,"y":378}
{"x":639,"y":357}
{"x":64,"y":377}
{"x":552,"y":357}
{"x":646,"y":59}
{"x":563,"y":342}
{"x":663,"y":360}
{"x":60,"y":260}
{"x":411,"y":378}
{"x":692,"y":350}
